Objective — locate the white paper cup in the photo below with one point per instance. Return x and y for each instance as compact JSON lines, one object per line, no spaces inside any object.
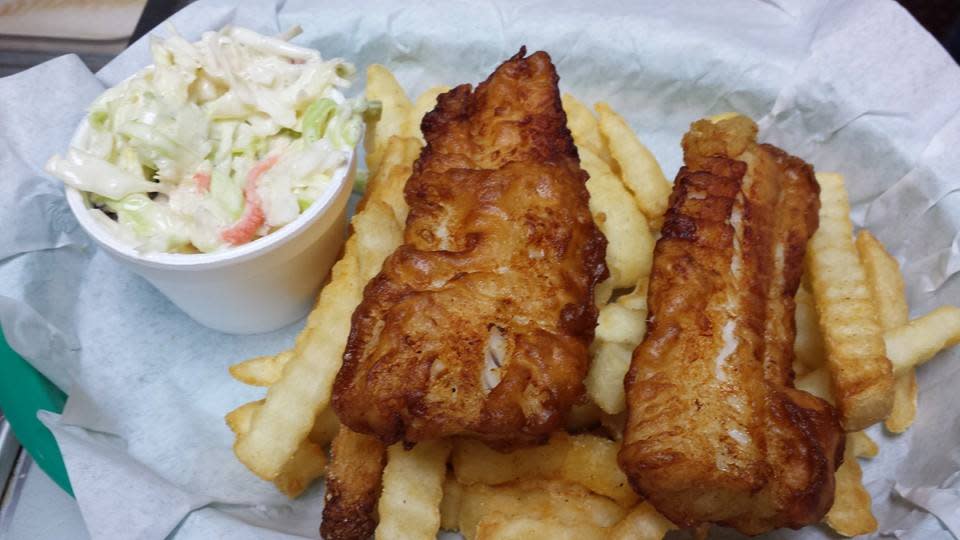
{"x":257,"y":287}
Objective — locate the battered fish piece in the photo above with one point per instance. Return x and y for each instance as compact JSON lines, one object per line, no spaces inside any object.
{"x":479,"y":324}
{"x":716,"y":433}
{"x":354,"y":477}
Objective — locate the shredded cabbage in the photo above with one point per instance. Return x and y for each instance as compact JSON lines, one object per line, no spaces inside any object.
{"x":176,"y":154}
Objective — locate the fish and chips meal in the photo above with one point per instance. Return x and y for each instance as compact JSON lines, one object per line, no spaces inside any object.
{"x":531,"y":333}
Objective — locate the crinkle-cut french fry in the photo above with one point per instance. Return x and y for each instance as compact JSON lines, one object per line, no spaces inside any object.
{"x":587,"y":460}
{"x":602,"y":292}
{"x":907,"y":346}
{"x":818,"y":383}
{"x":861,"y":373}
{"x":921,"y":339}
{"x":238,"y":420}
{"x":905,"y":394}
{"x":294,"y":401}
{"x":325,"y":427}
{"x":262,"y":370}
{"x":609,"y":365}
{"x":585,"y":129}
{"x":549,"y":509}
{"x":624,"y":321}
{"x":500,"y":527}
{"x":808,"y":345}
{"x":851,"y":514}
{"x":474,"y":462}
{"x":424,"y":104}
{"x":639,"y":168}
{"x":409,"y":506}
{"x":642,"y":523}
{"x":620,"y":328}
{"x":863,"y":445}
{"x":386,"y":185}
{"x":885,"y":281}
{"x":548,"y":501}
{"x":382,"y":86}
{"x":307,"y":464}
{"x":886,"y":284}
{"x":629,"y":241}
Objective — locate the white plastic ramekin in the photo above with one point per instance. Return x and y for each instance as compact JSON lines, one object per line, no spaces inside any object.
{"x":257,"y":287}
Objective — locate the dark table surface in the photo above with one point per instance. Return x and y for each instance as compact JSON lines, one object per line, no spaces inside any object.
{"x":941,"y":18}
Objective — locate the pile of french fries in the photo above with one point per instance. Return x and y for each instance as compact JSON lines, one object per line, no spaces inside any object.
{"x":855,"y":347}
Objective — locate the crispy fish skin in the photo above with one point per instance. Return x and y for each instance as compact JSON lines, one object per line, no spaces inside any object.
{"x":715,"y":432}
{"x":480,"y":323}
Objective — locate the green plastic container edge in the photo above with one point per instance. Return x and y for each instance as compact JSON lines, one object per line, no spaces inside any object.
{"x":23,"y":392}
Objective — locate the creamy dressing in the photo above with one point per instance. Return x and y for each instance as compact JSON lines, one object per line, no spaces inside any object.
{"x":86,"y":172}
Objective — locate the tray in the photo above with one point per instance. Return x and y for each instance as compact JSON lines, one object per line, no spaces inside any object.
{"x":23,"y":392}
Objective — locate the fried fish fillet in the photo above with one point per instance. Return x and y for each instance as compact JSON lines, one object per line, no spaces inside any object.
{"x":716,"y":432}
{"x":354,"y":477}
{"x":479,"y":324}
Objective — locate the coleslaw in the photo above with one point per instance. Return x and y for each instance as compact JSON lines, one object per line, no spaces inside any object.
{"x":216,"y":144}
